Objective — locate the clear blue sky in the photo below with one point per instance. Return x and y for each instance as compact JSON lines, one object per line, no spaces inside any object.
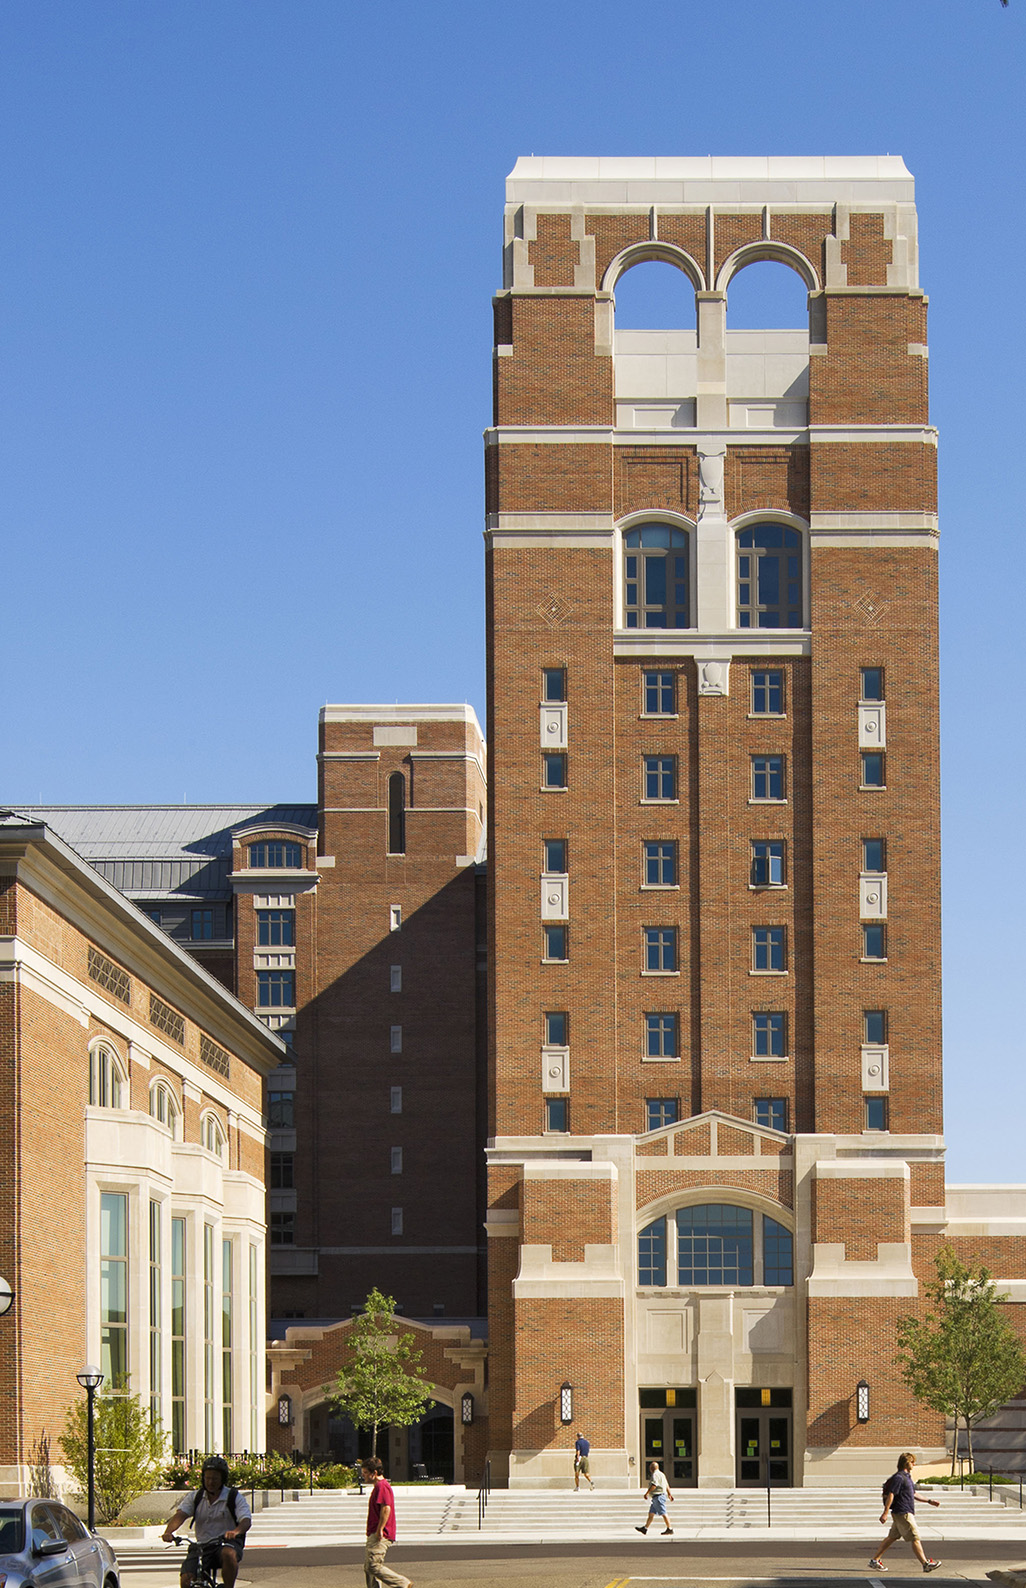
{"x":247,"y":249}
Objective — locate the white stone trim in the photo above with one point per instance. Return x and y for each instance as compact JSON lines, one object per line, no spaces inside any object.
{"x":724,"y":180}
{"x":653,"y":249}
{"x":851,"y":435}
{"x":401,"y":714}
{"x":768,"y":249}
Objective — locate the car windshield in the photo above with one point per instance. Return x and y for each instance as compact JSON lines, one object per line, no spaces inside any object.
{"x":12,"y":1534}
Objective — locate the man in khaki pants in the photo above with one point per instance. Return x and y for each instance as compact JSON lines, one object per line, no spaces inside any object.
{"x":380,"y":1528}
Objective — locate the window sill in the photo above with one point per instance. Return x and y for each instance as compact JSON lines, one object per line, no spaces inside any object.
{"x":764,"y":716}
{"x":767,"y":887}
{"x":555,"y":961}
{"x":872,"y":788}
{"x":660,"y":887}
{"x":658,"y":716}
{"x":864,"y":961}
{"x":758,"y":799}
{"x":660,"y":973}
{"x":644,"y":801}
{"x":660,"y":1058}
{"x":769,"y":1058}
{"x":554,"y":788}
{"x":768,"y":973}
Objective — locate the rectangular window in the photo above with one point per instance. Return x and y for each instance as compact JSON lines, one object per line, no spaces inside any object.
{"x":769,"y":948}
{"x":777,"y":1253}
{"x":156,"y":1317}
{"x":283,"y":1166}
{"x":771,"y":1112}
{"x":227,"y":1396}
{"x":715,"y":1245}
{"x":553,"y":684}
{"x":283,"y":1229}
{"x":660,"y":864}
{"x":178,"y":1335}
{"x":872,"y":684}
{"x":660,"y":948}
{"x":114,"y":1289}
{"x":554,"y":946}
{"x":661,"y":1036}
{"x":557,"y":1114}
{"x":767,"y":694}
{"x":202,"y":925}
{"x":553,"y":769}
{"x":768,"y":777}
{"x":660,"y":780}
{"x":396,"y":1160}
{"x":874,"y":771}
{"x":874,"y":940}
{"x":660,"y":1111}
{"x":395,"y":1100}
{"x":876,"y":1113}
{"x":555,"y":1028}
{"x":768,"y":863}
{"x":106,"y":974}
{"x":769,"y":1035}
{"x":874,"y":1026}
{"x":276,"y":989}
{"x":554,"y":855}
{"x":395,"y":978}
{"x":254,"y":1360}
{"x":652,"y":1254}
{"x":167,"y":1020}
{"x":271,"y":856}
{"x":276,"y":928}
{"x":874,"y":854}
{"x":397,"y":1221}
{"x":214,"y":1058}
{"x":208,"y":1335}
{"x":659,"y":694}
{"x":395,"y":1039}
{"x":280,"y":1111}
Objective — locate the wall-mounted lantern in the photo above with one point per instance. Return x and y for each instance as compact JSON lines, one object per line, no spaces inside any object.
{"x":566,"y":1402}
{"x":862,"y":1401}
{"x":467,"y":1410}
{"x":285,"y":1411}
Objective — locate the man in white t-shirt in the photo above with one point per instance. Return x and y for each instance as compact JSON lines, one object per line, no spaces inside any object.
{"x":657,"y":1494}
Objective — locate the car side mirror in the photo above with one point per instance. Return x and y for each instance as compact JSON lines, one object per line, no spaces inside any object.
{"x":49,"y":1546}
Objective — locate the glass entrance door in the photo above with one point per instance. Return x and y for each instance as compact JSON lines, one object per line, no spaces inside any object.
{"x":669,"y":1438}
{"x":763,"y":1438}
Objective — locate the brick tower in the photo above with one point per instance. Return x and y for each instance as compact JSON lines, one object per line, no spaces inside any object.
{"x":716,"y":1168}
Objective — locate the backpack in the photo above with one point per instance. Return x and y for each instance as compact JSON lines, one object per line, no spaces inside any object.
{"x":232,"y":1495}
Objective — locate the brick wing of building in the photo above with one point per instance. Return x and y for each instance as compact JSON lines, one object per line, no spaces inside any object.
{"x":132,"y":1149}
{"x":716,"y":1162}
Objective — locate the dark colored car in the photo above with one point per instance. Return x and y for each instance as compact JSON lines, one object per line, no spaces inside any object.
{"x":44,"y":1545}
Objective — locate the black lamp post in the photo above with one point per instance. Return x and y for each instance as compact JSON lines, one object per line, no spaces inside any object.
{"x":6,"y":1297}
{"x":90,"y":1379}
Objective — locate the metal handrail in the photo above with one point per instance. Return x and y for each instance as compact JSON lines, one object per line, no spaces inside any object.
{"x":483,"y":1494}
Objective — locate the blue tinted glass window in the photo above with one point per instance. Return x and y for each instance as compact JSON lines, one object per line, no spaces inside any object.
{"x":714,"y":1245}
{"x":769,"y":1035}
{"x":660,"y":947}
{"x":556,"y":1113}
{"x":874,"y":1025}
{"x":876,"y":1113}
{"x":276,"y":989}
{"x":554,"y":769}
{"x":660,"y":865}
{"x":652,"y":1254}
{"x":874,"y":942}
{"x":659,"y":694}
{"x":555,"y":1028}
{"x":555,"y":855}
{"x":768,"y":694}
{"x":874,"y":854}
{"x":768,"y":863}
{"x":769,"y":948}
{"x":873,"y":770}
{"x":555,"y":942}
{"x":771,"y":1112}
{"x":661,"y":1036}
{"x":872,"y":683}
{"x":769,"y":578}
{"x":768,"y":777}
{"x":655,"y":565}
{"x":267,"y":855}
{"x":660,"y":1111}
{"x":660,"y":781}
{"x":777,"y":1254}
{"x":553,"y":683}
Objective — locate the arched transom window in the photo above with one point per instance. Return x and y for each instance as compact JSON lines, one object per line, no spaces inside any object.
{"x":107,"y":1085}
{"x":213,"y":1135}
{"x":769,"y":578}
{"x":656,"y":591}
{"x":164,"y":1106}
{"x":715,"y":1243}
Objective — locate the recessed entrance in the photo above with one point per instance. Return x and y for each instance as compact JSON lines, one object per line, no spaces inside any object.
{"x":668,"y":1434}
{"x":763,"y":1431}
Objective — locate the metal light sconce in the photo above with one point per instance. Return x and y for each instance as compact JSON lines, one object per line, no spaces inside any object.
{"x":862,"y":1401}
{"x":6,"y":1297}
{"x":566,"y":1402}
{"x":285,"y":1411}
{"x":467,"y":1410}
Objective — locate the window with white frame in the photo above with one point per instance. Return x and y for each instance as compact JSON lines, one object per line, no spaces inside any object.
{"x":213,"y":1134}
{"x":164,"y":1106}
{"x":656,"y":578}
{"x":108,"y":1087}
{"x":770,"y":583}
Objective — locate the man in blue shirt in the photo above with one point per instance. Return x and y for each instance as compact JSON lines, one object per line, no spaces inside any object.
{"x":899,"y":1504}
{"x":582,"y":1450}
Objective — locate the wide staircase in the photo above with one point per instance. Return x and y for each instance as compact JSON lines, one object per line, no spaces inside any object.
{"x":434,"y":1512}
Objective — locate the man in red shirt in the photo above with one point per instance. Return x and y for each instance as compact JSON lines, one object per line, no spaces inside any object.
{"x":380,"y":1528}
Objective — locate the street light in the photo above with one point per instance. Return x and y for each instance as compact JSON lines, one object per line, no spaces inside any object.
{"x":90,"y":1379}
{"x":6,"y":1297}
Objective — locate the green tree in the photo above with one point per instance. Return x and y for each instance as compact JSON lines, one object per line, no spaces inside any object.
{"x":962,"y":1358}
{"x":130,"y":1450}
{"x":383,"y":1385}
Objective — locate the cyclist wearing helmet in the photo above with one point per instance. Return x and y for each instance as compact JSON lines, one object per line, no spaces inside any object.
{"x":218,"y":1512}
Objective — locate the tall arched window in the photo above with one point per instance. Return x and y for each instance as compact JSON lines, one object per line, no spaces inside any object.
{"x":212,"y":1135}
{"x":770,"y":583}
{"x":715,"y":1243}
{"x":656,"y":592}
{"x":397,"y":814}
{"x":164,"y":1106}
{"x":107,"y":1085}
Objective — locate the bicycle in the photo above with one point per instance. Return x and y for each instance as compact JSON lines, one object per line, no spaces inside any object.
{"x":207,"y":1562}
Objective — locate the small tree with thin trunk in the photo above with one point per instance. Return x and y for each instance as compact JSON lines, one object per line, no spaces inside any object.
{"x":963,"y":1358}
{"x":383,"y":1385}
{"x":130,"y":1449}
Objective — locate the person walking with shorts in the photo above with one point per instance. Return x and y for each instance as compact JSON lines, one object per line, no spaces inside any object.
{"x":380,"y":1528}
{"x":582,"y":1462}
{"x":657,"y":1494}
{"x":899,"y":1504}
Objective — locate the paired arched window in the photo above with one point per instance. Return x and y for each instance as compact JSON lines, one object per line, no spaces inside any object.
{"x":715,"y":1243}
{"x":770,"y":581}
{"x":108,"y":1087}
{"x":212,"y":1135}
{"x":656,"y":577}
{"x":164,"y":1106}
